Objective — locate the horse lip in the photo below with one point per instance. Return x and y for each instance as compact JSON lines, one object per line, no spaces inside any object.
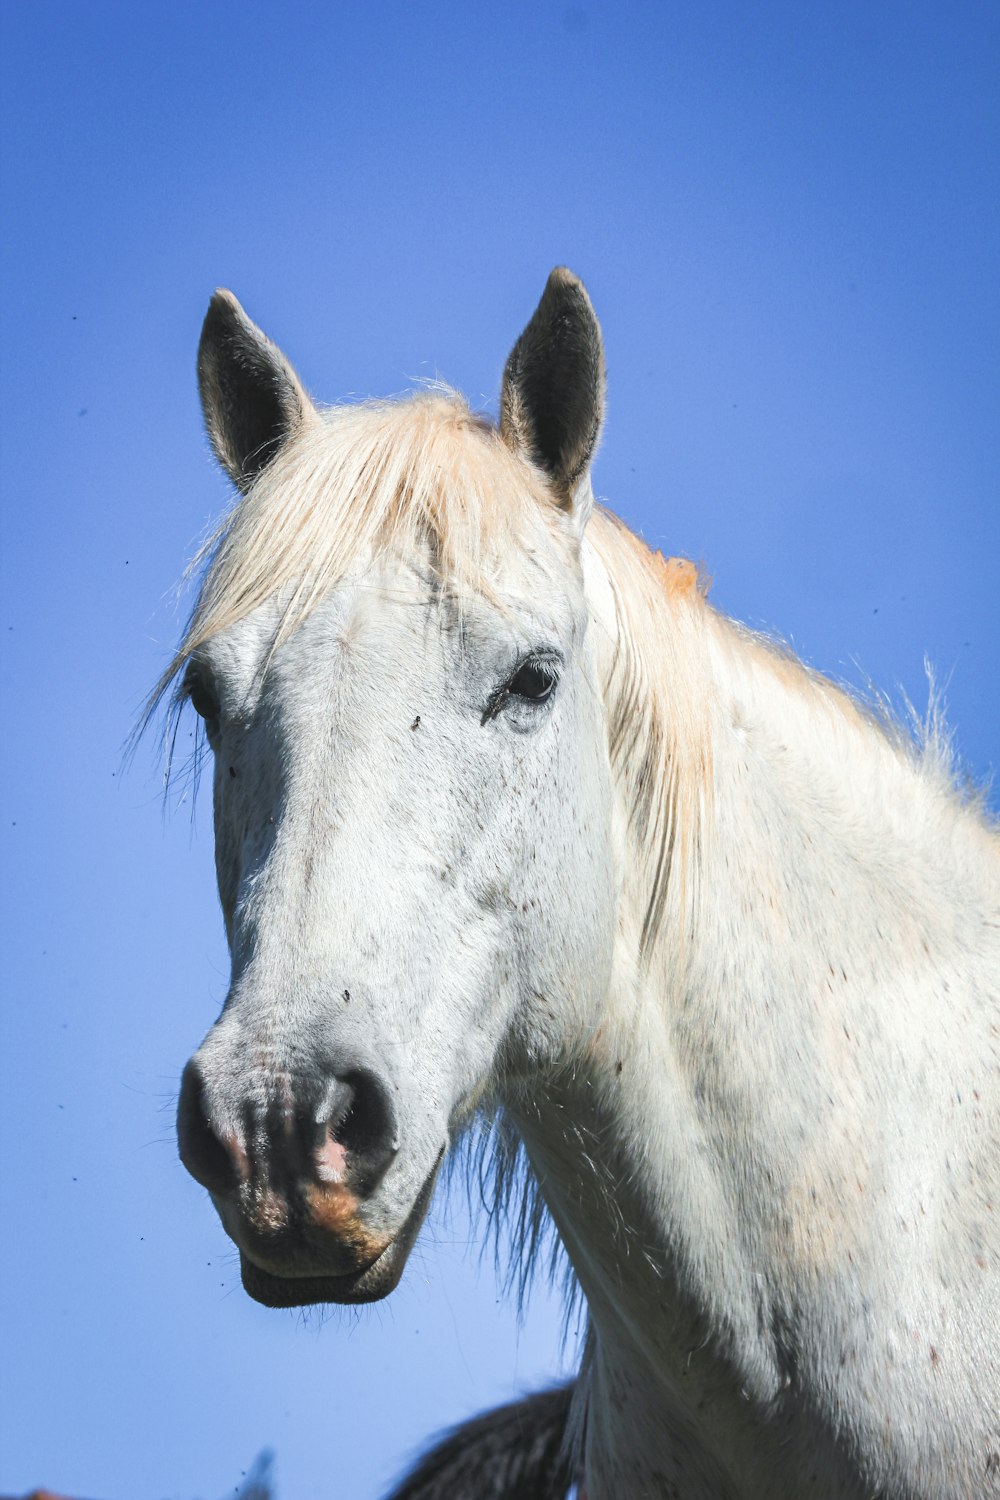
{"x":369,"y":1283}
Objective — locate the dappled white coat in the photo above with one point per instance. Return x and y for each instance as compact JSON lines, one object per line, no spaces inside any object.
{"x":723,"y":946}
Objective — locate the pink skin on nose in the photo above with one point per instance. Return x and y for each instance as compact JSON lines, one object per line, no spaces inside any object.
{"x":331,"y":1161}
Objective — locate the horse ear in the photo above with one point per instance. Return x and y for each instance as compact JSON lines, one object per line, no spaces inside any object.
{"x":251,"y":397}
{"x":552,"y":400}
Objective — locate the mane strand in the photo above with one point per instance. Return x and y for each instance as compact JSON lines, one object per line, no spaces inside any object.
{"x":419,"y":473}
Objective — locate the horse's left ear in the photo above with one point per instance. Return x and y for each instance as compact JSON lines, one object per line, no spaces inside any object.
{"x":552,"y":401}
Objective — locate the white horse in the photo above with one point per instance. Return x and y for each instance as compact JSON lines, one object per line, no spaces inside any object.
{"x":508,"y":818}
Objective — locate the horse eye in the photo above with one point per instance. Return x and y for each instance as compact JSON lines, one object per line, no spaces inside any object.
{"x":200,"y":696}
{"x":534,"y":681}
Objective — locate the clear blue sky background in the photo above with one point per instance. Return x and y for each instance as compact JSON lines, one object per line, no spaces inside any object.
{"x":787,"y":216}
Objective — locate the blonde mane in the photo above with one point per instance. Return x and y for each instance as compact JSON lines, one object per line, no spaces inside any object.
{"x":659,"y":730}
{"x":358,"y":482}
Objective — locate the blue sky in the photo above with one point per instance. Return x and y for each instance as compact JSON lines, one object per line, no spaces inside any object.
{"x":787,"y":216}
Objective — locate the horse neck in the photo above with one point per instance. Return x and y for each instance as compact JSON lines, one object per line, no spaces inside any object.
{"x":781,"y":849}
{"x":718,"y":1154}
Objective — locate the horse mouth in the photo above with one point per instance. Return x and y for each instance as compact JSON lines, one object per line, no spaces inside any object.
{"x":369,"y":1283}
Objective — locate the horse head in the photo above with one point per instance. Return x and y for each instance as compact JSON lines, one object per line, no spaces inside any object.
{"x":391,"y":658}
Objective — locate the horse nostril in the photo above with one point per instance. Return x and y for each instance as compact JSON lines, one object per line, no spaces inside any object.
{"x":360,"y":1119}
{"x":208,"y":1160}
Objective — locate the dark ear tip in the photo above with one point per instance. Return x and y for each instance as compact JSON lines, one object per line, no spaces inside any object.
{"x":565,"y":296}
{"x":224,"y":311}
{"x":562,"y":276}
{"x":564,"y":285}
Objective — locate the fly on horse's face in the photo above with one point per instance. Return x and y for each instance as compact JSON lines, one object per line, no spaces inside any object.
{"x":411,"y":813}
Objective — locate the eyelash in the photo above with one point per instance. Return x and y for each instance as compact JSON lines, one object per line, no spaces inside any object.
{"x":534,"y":681}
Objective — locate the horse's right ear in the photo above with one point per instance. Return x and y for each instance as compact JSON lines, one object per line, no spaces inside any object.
{"x":552,"y":401}
{"x":251,"y":397}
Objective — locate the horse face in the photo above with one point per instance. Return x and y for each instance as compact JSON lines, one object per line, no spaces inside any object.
{"x":412,"y":849}
{"x":412,"y":827}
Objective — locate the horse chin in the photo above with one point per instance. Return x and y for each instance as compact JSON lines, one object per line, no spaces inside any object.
{"x":371,"y":1284}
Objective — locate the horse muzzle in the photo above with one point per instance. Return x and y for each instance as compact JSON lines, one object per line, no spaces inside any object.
{"x":294,"y":1166}
{"x":368,"y":1283}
